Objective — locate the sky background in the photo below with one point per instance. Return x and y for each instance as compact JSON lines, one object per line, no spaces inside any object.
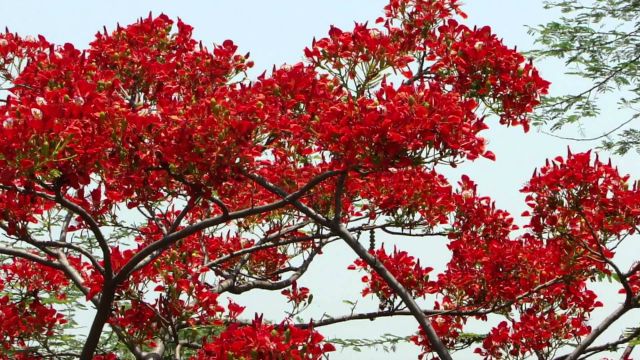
{"x":276,"y":32}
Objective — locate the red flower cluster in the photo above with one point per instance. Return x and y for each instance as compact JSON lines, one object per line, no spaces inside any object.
{"x":27,"y":291}
{"x":296,"y":295}
{"x":448,"y":329}
{"x":582,"y":205}
{"x":242,"y":183}
{"x":404,"y":267}
{"x":262,"y":341}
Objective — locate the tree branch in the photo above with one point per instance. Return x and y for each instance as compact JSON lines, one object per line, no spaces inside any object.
{"x":338,"y":197}
{"x":602,"y":327}
{"x":339,"y":229}
{"x":263,"y":246}
{"x":427,"y":312}
{"x":84,"y":252}
{"x":274,"y":285}
{"x":95,"y":228}
{"x":155,"y":249}
{"x":23,"y":254}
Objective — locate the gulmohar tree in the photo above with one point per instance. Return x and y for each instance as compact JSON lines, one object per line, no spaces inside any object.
{"x":147,"y":176}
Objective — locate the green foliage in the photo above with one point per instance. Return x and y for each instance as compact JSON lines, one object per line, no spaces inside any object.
{"x":634,"y":334}
{"x":599,"y":41}
{"x":387,"y":342}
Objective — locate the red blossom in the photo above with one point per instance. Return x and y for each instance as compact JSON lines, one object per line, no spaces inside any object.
{"x":265,"y":341}
{"x":404,"y":267}
{"x":148,"y":121}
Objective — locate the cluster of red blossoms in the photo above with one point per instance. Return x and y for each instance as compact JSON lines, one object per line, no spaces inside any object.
{"x":148,"y":177}
{"x":262,"y":341}
{"x":26,"y":292}
{"x":405,"y":268}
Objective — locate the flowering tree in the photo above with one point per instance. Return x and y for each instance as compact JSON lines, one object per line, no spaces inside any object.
{"x":146,"y":176}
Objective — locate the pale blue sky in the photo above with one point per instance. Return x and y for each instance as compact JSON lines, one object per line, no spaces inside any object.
{"x":275,"y":32}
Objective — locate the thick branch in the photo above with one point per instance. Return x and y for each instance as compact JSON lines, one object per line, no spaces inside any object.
{"x":338,"y":197}
{"x":372,"y":261}
{"x":611,"y":346}
{"x":627,"y":352}
{"x":84,"y":252}
{"x":102,"y":315}
{"x":95,"y":228}
{"x":155,"y":249}
{"x":436,"y":344}
{"x":30,"y":256}
{"x":263,"y":246}
{"x":275,"y":285}
{"x":602,"y":327}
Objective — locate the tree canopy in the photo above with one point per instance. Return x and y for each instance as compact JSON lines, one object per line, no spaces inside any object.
{"x":599,"y":41}
{"x":147,"y":176}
